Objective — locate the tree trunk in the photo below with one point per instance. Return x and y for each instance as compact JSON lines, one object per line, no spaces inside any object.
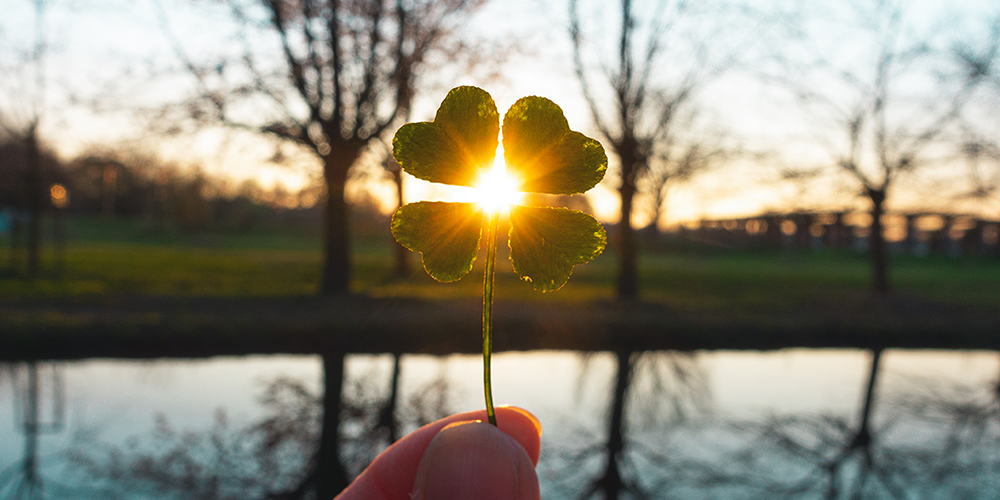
{"x":878,"y":252}
{"x":628,"y":280}
{"x":659,"y":206}
{"x":803,"y":236}
{"x":387,"y":416}
{"x":330,"y":475}
{"x":402,"y":267}
{"x":336,"y":278}
{"x":35,"y":196}
{"x":32,"y":485}
{"x":862,"y":440}
{"x":864,"y":435}
{"x":611,"y":482}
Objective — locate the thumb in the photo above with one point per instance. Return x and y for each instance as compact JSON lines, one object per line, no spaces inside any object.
{"x":475,"y":460}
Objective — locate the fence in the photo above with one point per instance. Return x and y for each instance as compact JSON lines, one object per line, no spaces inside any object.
{"x":918,"y":234}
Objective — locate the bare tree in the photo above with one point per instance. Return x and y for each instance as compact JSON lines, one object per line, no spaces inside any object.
{"x":982,"y":158}
{"x":665,"y":55}
{"x":343,"y":73}
{"x":980,"y":143}
{"x":679,"y":161}
{"x":401,"y":254}
{"x":20,"y":122}
{"x":881,"y":99}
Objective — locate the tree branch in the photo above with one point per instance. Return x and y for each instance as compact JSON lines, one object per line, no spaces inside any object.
{"x":576,"y":38}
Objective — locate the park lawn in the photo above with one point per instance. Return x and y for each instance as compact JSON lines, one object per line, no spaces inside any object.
{"x":112,"y":258}
{"x":787,"y":280}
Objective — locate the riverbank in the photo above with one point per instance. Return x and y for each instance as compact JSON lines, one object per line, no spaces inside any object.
{"x":153,"y":327}
{"x":121,"y":289}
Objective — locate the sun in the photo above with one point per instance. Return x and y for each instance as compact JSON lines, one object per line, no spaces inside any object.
{"x":496,"y":189}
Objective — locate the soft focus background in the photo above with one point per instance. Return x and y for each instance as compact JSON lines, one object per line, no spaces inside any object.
{"x":200,"y":296}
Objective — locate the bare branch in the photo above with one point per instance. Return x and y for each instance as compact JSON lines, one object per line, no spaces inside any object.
{"x":336,"y":67}
{"x":578,"y":64}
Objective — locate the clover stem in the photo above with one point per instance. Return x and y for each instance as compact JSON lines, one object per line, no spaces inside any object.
{"x":491,"y":257}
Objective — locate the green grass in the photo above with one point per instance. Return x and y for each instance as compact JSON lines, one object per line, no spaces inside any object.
{"x":127,"y":257}
{"x":798,"y":280}
{"x":103,"y":231}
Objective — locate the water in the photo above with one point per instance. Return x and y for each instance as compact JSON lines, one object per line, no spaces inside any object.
{"x":683,"y":413}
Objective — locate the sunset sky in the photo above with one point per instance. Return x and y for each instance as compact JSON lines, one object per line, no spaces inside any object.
{"x":113,"y":52}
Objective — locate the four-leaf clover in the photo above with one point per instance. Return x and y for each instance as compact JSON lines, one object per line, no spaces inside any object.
{"x":542,"y":155}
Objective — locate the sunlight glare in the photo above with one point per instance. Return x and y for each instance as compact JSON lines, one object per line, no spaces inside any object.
{"x":496,"y":189}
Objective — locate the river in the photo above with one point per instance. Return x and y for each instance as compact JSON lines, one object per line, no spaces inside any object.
{"x":721,"y":424}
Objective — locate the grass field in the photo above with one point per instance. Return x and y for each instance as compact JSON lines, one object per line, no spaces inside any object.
{"x":108,"y":258}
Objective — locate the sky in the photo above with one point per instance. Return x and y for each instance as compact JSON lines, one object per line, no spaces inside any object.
{"x":102,"y":50}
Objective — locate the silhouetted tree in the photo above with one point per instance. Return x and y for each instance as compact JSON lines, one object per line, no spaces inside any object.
{"x":348,"y":70}
{"x":980,"y":145}
{"x":881,"y":102}
{"x":26,"y":168}
{"x":983,"y":167}
{"x":642,"y":100}
{"x":20,"y":122}
{"x":667,"y":170}
{"x":401,"y":254}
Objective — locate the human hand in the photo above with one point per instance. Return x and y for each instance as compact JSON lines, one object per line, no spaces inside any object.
{"x":455,"y":458}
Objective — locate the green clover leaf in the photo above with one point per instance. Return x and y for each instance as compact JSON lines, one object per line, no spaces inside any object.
{"x":545,"y":243}
{"x":447,"y":234}
{"x":542,"y":154}
{"x":458,"y":146}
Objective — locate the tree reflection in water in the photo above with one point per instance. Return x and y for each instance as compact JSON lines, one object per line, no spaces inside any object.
{"x":927,"y":440}
{"x":275,"y":457}
{"x":930,"y":441}
{"x":373,"y":420}
{"x":651,"y":392}
{"x":32,"y":390}
{"x":659,"y":439}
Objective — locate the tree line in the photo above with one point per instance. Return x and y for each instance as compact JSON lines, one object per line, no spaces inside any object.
{"x":172,"y":197}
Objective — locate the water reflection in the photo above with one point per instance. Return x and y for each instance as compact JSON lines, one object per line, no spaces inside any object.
{"x":931,"y":439}
{"x":34,"y":418}
{"x":376,"y":414}
{"x":649,"y":390}
{"x":618,"y":425}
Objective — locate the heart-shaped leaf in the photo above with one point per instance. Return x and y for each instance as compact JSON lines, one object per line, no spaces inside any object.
{"x":458,"y":146}
{"x":545,"y":243}
{"x":447,"y":234}
{"x":544,"y":154}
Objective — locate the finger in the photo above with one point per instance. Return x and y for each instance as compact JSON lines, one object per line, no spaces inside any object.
{"x":474,"y":460}
{"x":391,"y":475}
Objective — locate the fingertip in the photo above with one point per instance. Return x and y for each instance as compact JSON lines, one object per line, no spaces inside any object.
{"x":392,"y":474}
{"x":527,"y":414}
{"x":471,"y":459}
{"x":524,"y":427}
